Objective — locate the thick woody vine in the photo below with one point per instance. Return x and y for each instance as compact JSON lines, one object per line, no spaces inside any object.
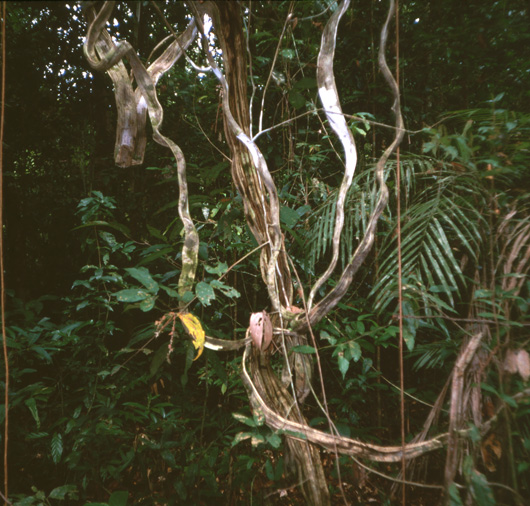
{"x":277,"y":401}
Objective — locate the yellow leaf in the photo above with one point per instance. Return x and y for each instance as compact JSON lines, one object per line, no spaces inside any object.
{"x":193,"y":326}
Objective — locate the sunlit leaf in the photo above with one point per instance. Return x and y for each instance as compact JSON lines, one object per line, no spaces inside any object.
{"x":245,"y":419}
{"x":131,"y":295}
{"x":241,"y":436}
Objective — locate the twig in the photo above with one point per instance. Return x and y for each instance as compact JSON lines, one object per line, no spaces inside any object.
{"x":391,"y":478}
{"x":287,"y":19}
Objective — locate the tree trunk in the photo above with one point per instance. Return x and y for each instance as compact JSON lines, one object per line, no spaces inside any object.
{"x":259,"y":199}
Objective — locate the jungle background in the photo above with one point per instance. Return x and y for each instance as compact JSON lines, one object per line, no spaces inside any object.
{"x":99,"y":415}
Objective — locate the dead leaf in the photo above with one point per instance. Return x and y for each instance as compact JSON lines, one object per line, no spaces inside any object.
{"x":510,"y":362}
{"x":523,"y":364}
{"x":261,"y":330}
{"x":194,"y":328}
{"x":491,"y":450}
{"x":488,"y":407}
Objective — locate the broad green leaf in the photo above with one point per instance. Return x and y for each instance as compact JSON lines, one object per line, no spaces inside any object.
{"x":225,"y":289}
{"x":295,"y":434}
{"x":354,"y":350}
{"x":57,"y":447}
{"x":409,"y":338}
{"x":37,"y":435}
{"x":155,"y":233}
{"x":60,"y":493}
{"x":487,"y":314}
{"x":131,"y":295}
{"x":289,"y":54}
{"x":481,"y":489}
{"x":344,"y":364}
{"x":441,"y":288}
{"x":142,"y":275}
{"x":274,"y":440}
{"x":489,"y":388}
{"x":296,"y":99}
{"x":148,"y":303}
{"x":497,"y":98}
{"x":118,"y":498}
{"x":241,"y":436}
{"x":187,"y":297}
{"x":117,"y":226}
{"x":257,"y":439}
{"x":325,"y":335}
{"x":454,"y":496}
{"x":304,"y":349}
{"x":245,"y":419}
{"x":170,"y":291}
{"x":204,"y":293}
{"x":156,"y":252}
{"x":158,"y":358}
{"x":39,"y":350}
{"x":108,"y":238}
{"x":219,"y":269}
{"x":289,"y":216}
{"x":508,"y":400}
{"x":306,"y":83}
{"x":203,"y":251}
{"x":31,"y":403}
{"x":269,"y":470}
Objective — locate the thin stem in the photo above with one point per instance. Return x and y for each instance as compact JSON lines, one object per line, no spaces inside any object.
{"x":287,"y":20}
{"x":400,"y":283}
{"x":2,"y":280}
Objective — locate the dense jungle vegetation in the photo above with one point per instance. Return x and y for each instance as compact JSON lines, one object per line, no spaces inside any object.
{"x":282,"y":308}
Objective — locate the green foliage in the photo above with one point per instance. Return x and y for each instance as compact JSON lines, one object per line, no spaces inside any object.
{"x":103,"y":417}
{"x":98,"y":415}
{"x":40,"y":498}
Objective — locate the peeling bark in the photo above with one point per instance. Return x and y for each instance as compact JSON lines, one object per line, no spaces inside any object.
{"x":249,"y":168}
{"x":103,"y":57}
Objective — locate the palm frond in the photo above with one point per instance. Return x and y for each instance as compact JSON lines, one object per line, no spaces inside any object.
{"x":439,"y":226}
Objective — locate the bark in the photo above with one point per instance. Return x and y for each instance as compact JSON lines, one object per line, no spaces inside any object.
{"x":322,"y":308}
{"x":131,"y":108}
{"x":252,"y":180}
{"x":254,"y":183}
{"x":106,"y":56}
